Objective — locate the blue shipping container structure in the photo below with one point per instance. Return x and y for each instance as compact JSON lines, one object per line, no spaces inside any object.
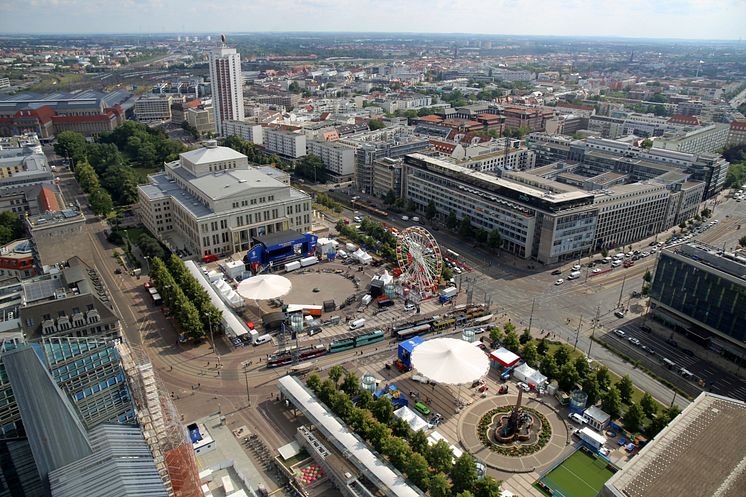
{"x":406,"y":348}
{"x":279,"y":248}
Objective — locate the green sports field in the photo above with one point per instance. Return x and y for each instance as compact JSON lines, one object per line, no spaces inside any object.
{"x":580,"y":475}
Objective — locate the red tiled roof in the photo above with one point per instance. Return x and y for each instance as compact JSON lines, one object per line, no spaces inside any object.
{"x":43,"y":114}
{"x":432,"y":118}
{"x":48,"y":200}
{"x":738,"y":125}
{"x":324,"y":116}
{"x":443,"y":146}
{"x":468,"y":137}
{"x":82,"y":119}
{"x":488,"y":117}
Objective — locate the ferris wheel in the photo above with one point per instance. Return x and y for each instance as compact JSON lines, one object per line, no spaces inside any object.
{"x":420,"y":260}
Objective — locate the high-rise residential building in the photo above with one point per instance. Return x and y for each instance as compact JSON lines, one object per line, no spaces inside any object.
{"x":227,"y":85}
{"x":285,"y":143}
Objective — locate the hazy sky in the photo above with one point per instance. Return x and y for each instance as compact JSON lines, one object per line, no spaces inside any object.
{"x":693,"y":19}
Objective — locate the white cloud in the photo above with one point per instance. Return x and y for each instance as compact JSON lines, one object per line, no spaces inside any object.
{"x":699,"y":19}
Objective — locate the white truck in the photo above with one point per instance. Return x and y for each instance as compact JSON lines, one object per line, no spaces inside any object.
{"x":587,"y":435}
{"x":447,"y":294}
{"x":309,"y":261}
{"x":292,"y":266}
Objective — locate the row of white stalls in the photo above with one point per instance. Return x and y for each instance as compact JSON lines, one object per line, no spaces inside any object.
{"x":233,"y":326}
{"x":326,"y":247}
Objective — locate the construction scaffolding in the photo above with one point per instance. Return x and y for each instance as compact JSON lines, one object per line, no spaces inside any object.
{"x":161,"y":423}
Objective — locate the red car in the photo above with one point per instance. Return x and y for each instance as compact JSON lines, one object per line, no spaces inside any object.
{"x":209,"y":258}
{"x":628,"y":263}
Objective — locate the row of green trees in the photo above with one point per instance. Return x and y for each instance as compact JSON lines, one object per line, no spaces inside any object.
{"x":431,"y":468}
{"x":11,"y":227}
{"x":312,"y":168}
{"x":371,"y":234}
{"x":255,"y":154}
{"x":327,"y":201}
{"x":187,"y":300}
{"x":558,"y":365}
{"x":736,"y":176}
{"x":98,"y":197}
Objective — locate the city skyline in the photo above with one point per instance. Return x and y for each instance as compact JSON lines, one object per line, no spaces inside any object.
{"x":670,"y":19}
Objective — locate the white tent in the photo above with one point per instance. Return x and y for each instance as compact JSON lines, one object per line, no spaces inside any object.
{"x":415,"y":422}
{"x":450,"y":361}
{"x":264,"y":287}
{"x":529,"y":375}
{"x":362,"y":256}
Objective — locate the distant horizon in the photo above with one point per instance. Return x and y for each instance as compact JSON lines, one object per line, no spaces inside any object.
{"x":413,"y":33}
{"x":716,"y":20}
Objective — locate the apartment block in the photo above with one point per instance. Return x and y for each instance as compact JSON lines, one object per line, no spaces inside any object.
{"x":248,"y":131}
{"x":737,"y":133}
{"x":338,"y":158}
{"x":211,"y":201}
{"x":285,"y":143}
{"x":707,"y":139}
{"x":387,"y":176}
{"x":202,"y":119}
{"x":149,"y":108}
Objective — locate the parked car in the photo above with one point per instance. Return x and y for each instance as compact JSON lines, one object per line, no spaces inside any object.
{"x":559,"y":281}
{"x":576,"y":267}
{"x":619,"y":332}
{"x":523,"y":386}
{"x":405,"y":218}
{"x":634,"y":341}
{"x":422,"y":407}
{"x":416,"y":219}
{"x":620,"y":313}
{"x":556,"y":272}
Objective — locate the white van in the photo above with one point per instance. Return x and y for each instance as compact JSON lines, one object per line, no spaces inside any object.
{"x":342,"y":254}
{"x":356,"y":324}
{"x":263,"y":339}
{"x":574,"y":275}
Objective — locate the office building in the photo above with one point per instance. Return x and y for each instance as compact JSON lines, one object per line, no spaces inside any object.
{"x":211,"y":201}
{"x":227,"y":86}
{"x":248,"y":131}
{"x":387,"y":176}
{"x":4,"y":83}
{"x":57,"y":234}
{"x":737,"y":133}
{"x":391,"y":142}
{"x":338,"y":158}
{"x":22,"y":164}
{"x":700,"y":291}
{"x":696,"y":454}
{"x":707,"y":139}
{"x":149,"y":108}
{"x":288,"y":100}
{"x":285,"y":143}
{"x":202,"y":119}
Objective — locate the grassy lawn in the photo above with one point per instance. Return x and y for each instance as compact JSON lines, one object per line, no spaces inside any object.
{"x":580,"y":475}
{"x":134,"y":234}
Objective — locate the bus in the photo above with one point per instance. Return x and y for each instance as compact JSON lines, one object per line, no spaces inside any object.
{"x":413,"y":331}
{"x":452,"y":255}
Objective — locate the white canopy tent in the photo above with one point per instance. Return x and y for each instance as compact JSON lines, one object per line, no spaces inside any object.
{"x":450,"y":361}
{"x":529,"y":375}
{"x":264,"y":287}
{"x":415,"y":422}
{"x":362,"y":256}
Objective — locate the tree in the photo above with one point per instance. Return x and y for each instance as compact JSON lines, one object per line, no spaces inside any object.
{"x":742,"y":241}
{"x":509,"y":327}
{"x":525,"y":336}
{"x":71,"y":144}
{"x":562,"y":355}
{"x":314,"y":383}
{"x":602,"y":378}
{"x":121,"y":182}
{"x":581,"y":366}
{"x":375,"y":124}
{"x":682,"y":225}
{"x":647,"y":276}
{"x":390,"y":197}
{"x":543,"y":347}
{"x":496,"y":335}
{"x":604,"y":252}
{"x":382,"y":409}
{"x":86,"y":176}
{"x":655,"y":425}
{"x":379,"y":436}
{"x":294,"y":87}
{"x":529,"y":354}
{"x":465,"y":493}
{"x":706,"y":212}
{"x":590,"y":387}
{"x":335,"y":373}
{"x":351,"y":384}
{"x":398,"y":452}
{"x":149,"y":246}
{"x":632,"y":418}
{"x":100,"y":201}
{"x":648,"y":405}
{"x":440,"y":456}
{"x":611,"y":402}
{"x":430,"y":211}
{"x":439,"y":486}
{"x":11,"y":227}
{"x":548,"y":367}
{"x":418,"y":442}
{"x":673,"y":411}
{"x":487,"y":487}
{"x":465,"y":229}
{"x":463,"y":473}
{"x":511,"y":341}
{"x":647,"y":143}
{"x":626,"y":388}
{"x":452,"y":220}
{"x":494,"y":239}
{"x":418,"y":470}
{"x":103,"y":156}
{"x":568,"y":377}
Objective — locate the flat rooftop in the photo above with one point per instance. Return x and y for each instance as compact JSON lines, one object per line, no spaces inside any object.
{"x":701,"y":452}
{"x":714,"y":257}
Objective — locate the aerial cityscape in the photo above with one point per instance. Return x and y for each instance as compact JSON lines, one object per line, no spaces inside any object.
{"x":322,"y":249}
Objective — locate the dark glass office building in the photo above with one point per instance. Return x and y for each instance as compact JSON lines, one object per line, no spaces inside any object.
{"x":702,"y":292}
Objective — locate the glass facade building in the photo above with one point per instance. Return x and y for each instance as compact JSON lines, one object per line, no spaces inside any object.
{"x":705,"y":289}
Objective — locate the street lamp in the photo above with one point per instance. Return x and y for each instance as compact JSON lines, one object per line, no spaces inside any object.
{"x":212,"y":338}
